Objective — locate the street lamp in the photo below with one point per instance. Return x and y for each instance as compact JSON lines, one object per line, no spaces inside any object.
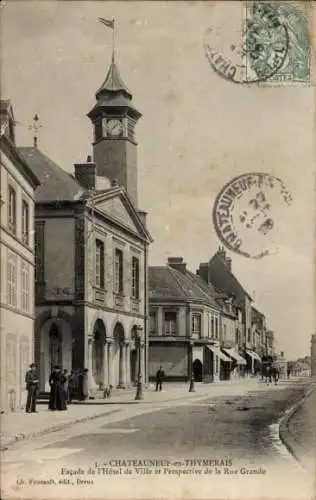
{"x":139,"y":386}
{"x":191,"y":388}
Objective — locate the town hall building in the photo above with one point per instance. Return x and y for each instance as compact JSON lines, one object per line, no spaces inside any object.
{"x":91,"y":247}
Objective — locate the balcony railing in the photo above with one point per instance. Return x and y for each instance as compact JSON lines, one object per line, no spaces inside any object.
{"x":99,"y":295}
{"x":135,"y":305}
{"x":119,"y":300}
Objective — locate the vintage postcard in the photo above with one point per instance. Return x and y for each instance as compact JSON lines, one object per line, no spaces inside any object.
{"x":157,"y":250}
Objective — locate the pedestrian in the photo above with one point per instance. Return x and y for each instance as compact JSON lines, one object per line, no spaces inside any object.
{"x":57,"y":394}
{"x":84,"y":393}
{"x":159,"y":378}
{"x":288,"y":372}
{"x":72,"y":383}
{"x":66,"y":385}
{"x":32,"y":384}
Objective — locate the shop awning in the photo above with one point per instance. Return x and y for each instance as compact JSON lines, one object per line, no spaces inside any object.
{"x":234,"y":354}
{"x":219,"y":353}
{"x":253,"y":355}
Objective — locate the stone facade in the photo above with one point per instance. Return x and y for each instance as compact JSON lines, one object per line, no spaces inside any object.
{"x":82,"y":320}
{"x":17,"y":270}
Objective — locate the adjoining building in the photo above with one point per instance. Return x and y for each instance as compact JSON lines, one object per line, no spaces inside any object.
{"x":218,"y":271}
{"x":92,"y":252}
{"x":270,"y":343}
{"x":184,"y":325}
{"x":18,"y":183}
{"x":281,"y":363}
{"x":258,"y":329}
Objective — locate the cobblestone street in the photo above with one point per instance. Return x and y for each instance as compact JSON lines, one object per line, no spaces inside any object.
{"x":234,"y":433}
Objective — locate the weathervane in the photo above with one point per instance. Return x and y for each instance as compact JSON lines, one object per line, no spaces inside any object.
{"x":110,"y":24}
{"x":35,"y":127}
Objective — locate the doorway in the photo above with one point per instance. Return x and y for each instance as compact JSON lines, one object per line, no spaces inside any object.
{"x":197,"y":370}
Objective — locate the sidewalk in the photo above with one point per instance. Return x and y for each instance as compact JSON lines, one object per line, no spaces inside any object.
{"x":21,"y":426}
{"x":299,"y":431}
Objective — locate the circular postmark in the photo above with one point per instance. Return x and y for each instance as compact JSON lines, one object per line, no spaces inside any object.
{"x":248,"y":211}
{"x":249,"y":48}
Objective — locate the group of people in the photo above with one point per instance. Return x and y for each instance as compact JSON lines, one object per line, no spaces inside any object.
{"x":64,"y":387}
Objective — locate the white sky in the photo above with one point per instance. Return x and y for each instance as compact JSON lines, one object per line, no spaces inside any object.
{"x":197,"y":132}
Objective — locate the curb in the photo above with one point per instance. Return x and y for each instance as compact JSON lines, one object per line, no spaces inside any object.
{"x":53,"y":428}
{"x":285,"y":434}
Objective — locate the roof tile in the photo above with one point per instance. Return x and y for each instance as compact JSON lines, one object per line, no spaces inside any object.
{"x":56,"y":183}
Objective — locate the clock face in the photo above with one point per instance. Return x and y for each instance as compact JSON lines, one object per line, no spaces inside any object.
{"x":114,"y":127}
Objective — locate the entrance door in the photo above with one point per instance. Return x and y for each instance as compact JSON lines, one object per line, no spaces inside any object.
{"x":197,"y":370}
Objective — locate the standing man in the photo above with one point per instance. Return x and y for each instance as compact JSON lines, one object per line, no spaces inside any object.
{"x":288,"y":371}
{"x":32,"y":382}
{"x":159,"y":378}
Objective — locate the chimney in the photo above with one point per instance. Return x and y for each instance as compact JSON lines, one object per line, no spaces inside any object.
{"x":221,"y":252}
{"x":85,"y":174}
{"x":227,"y":260}
{"x":177,"y":263}
{"x":143,"y":217}
{"x":203,"y":272}
{"x":229,"y":263}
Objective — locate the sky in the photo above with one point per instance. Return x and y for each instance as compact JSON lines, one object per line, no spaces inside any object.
{"x":198,"y":131}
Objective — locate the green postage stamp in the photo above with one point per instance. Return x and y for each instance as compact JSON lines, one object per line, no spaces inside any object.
{"x":276,"y":42}
{"x":269,"y":45}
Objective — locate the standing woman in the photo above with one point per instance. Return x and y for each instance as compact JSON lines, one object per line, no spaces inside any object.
{"x":53,"y":380}
{"x":61,"y":387}
{"x":57,"y":392}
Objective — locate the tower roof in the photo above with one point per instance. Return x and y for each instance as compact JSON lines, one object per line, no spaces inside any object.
{"x":113,"y":83}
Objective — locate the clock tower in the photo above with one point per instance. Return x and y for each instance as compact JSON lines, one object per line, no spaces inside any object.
{"x":114,"y":146}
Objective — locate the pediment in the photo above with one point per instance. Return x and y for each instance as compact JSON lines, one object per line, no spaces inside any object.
{"x":115,"y":208}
